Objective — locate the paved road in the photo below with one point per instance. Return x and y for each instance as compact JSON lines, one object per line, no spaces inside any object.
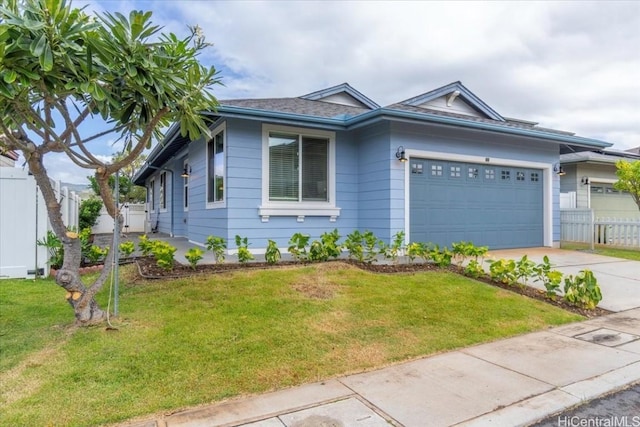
{"x":619,"y":409}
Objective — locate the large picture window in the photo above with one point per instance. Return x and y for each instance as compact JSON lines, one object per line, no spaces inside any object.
{"x":216,"y":168}
{"x":298,"y":167}
{"x":298,"y":173}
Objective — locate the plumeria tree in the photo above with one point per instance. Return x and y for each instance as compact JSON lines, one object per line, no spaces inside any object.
{"x":629,"y":178}
{"x":60,"y":70}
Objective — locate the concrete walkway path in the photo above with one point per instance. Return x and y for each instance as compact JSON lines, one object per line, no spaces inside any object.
{"x":511,"y":382}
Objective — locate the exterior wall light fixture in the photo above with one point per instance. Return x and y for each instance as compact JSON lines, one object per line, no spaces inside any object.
{"x":186,"y":172}
{"x":559,"y":170}
{"x":400,"y":155}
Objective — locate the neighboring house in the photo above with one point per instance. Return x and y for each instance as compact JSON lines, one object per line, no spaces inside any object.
{"x":8,"y":158}
{"x":442,"y":167}
{"x":590,"y":176}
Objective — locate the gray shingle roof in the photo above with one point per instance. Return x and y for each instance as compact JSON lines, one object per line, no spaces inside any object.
{"x":508,"y":123}
{"x":298,"y":106}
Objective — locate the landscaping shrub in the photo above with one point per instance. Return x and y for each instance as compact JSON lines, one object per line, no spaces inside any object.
{"x":217,"y":245}
{"x":194,"y":255}
{"x":244,"y":255}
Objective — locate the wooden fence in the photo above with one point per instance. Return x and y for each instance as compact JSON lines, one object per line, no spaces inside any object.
{"x":581,"y":225}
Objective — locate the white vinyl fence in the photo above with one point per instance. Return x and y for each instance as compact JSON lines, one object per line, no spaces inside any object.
{"x":134,"y":216}
{"x":24,"y":221}
{"x":581,"y":225}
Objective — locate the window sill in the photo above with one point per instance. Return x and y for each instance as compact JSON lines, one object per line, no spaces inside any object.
{"x":216,"y":205}
{"x":298,"y":210}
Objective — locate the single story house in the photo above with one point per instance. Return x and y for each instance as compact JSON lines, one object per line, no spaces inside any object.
{"x":442,"y":167}
{"x":589,"y":180}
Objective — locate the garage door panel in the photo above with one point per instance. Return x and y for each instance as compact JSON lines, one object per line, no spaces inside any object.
{"x":499,"y":207}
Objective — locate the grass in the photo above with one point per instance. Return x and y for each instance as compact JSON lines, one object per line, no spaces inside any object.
{"x":632,"y":254}
{"x":204,"y":339}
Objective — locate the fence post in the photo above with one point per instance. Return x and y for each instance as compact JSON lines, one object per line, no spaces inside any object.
{"x":593,"y":230}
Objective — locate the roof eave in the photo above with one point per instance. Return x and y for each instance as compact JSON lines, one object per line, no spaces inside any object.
{"x":382,"y":113}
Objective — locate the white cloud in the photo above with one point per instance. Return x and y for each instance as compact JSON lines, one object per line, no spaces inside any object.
{"x":570,"y":65}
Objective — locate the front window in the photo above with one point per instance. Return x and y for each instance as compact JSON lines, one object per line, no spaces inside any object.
{"x":185,"y":189}
{"x":163,"y":190}
{"x":151,"y":195}
{"x":216,"y":168}
{"x":298,"y":167}
{"x":298,"y":173}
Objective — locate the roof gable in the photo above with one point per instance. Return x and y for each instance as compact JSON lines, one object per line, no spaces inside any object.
{"x":454,"y":98}
{"x":342,"y":94}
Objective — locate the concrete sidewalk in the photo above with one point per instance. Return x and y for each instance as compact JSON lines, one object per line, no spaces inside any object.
{"x":511,"y":382}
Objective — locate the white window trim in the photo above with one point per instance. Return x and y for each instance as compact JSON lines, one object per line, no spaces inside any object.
{"x":221,"y":203}
{"x":152,"y":197}
{"x":186,"y":186}
{"x":547,"y":175}
{"x":163,"y":194}
{"x":298,"y":209}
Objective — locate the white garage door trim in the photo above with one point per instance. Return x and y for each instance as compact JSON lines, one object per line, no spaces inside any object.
{"x":548,"y":177}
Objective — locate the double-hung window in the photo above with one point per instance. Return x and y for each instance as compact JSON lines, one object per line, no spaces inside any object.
{"x":151,"y":191}
{"x":216,"y":168}
{"x":163,"y":191}
{"x":298,"y":172}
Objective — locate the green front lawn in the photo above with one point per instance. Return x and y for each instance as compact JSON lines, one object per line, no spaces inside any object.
{"x":198,"y":340}
{"x":604,"y":250}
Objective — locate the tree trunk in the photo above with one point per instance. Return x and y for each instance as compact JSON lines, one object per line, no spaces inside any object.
{"x":80,"y":297}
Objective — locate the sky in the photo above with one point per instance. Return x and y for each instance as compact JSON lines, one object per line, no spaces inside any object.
{"x":571,"y":65}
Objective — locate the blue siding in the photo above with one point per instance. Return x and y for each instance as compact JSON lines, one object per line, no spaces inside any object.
{"x":202,"y":222}
{"x":374,"y":186}
{"x":370,"y":181}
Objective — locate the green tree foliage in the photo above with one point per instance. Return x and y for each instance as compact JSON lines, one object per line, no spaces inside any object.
{"x":59,"y":67}
{"x":629,"y":178}
{"x":88,"y":213}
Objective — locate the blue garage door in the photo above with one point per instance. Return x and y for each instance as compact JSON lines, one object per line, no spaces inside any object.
{"x":495,"y":206}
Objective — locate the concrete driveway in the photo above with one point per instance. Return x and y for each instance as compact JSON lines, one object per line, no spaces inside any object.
{"x":619,"y":279}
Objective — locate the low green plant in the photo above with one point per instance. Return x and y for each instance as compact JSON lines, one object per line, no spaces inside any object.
{"x":330,"y":242}
{"x":54,"y":247}
{"x":396,"y":247}
{"x":503,"y":271}
{"x":126,"y":249}
{"x":551,"y":279}
{"x":272,"y":254}
{"x":582,"y":290}
{"x":463,"y":250}
{"x":145,"y":245}
{"x":164,"y":253}
{"x":353,"y":244}
{"x":96,"y":254}
{"x":473,"y":269}
{"x":417,"y":250}
{"x":218,"y":246}
{"x":440,"y":257}
{"x":298,"y":247}
{"x":244,"y":255}
{"x":525,"y":269}
{"x":370,"y":245}
{"x":194,"y":255}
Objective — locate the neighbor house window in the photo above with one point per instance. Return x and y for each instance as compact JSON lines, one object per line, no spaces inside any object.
{"x":163,"y":190}
{"x":216,"y":167}
{"x":298,"y":167}
{"x":151,"y":195}
{"x":298,"y":173}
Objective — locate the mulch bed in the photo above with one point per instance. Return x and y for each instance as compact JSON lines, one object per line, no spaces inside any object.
{"x":148,"y":269}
